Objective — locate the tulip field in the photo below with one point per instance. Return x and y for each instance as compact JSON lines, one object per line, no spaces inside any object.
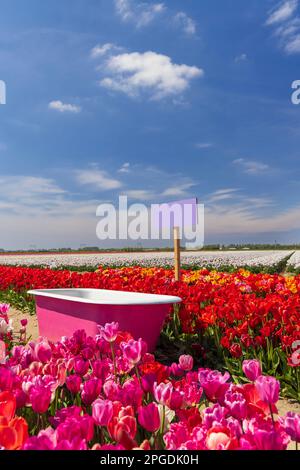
{"x":268,"y":261}
{"x":226,"y":356}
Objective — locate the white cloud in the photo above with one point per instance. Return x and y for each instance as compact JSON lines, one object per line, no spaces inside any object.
{"x":187,"y":24}
{"x":293,"y":45}
{"x":140,"y":194}
{"x":251,"y":167}
{"x":64,"y":107}
{"x":241,"y":58}
{"x":203,"y":145}
{"x":102,"y":49}
{"x":179,"y":190}
{"x":12,"y":187}
{"x":31,"y":195}
{"x":125,"y":168}
{"x":139,"y":13}
{"x":97,"y":179}
{"x":243,"y":218}
{"x":288,"y":29}
{"x":156,"y":74}
{"x":221,"y":195}
{"x":282,"y":12}
{"x":287,"y":25}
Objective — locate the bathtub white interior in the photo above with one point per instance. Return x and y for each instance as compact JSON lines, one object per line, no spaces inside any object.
{"x":106,"y":297}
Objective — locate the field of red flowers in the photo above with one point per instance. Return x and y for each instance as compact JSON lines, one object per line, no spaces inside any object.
{"x":223,"y":319}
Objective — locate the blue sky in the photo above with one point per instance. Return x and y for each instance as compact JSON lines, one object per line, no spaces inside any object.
{"x":159,"y":100}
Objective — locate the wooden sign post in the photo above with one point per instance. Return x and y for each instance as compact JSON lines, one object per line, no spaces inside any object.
{"x":177,"y":216}
{"x":176,"y":232}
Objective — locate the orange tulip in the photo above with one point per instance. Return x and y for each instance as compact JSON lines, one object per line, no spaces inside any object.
{"x":7,"y":405}
{"x":13,"y":430}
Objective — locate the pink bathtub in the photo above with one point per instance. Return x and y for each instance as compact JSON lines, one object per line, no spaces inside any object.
{"x":60,"y":312}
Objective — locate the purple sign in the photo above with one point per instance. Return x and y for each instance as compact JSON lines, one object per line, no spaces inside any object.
{"x":180,"y":214}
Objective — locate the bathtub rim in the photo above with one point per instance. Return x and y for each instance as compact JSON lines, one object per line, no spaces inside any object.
{"x":150,"y":299}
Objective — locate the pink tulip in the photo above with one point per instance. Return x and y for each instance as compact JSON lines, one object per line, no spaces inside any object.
{"x":24,"y":322}
{"x":39,"y":443}
{"x":291,"y":424}
{"x":81,"y":367}
{"x":237,"y":405}
{"x":132,"y":393}
{"x":73,"y":383}
{"x":214,"y":383}
{"x":186,"y":362}
{"x":75,"y":427}
{"x":176,"y":370}
{"x":40,"y":398}
{"x":112,"y":390}
{"x":268,"y":389}
{"x":101,"y":369}
{"x":132,"y":351}
{"x":7,"y":378}
{"x":43,"y":351}
{"x":4,"y":308}
{"x":109,"y":331}
{"x":192,"y":393}
{"x":176,"y":400}
{"x":91,"y":390}
{"x":178,"y":434}
{"x":102,"y":412}
{"x":148,"y":381}
{"x":252,"y":369}
{"x":149,"y":418}
{"x":213,"y":416}
{"x":75,"y":444}
{"x":163,"y":393}
{"x":265,"y":437}
{"x":64,"y":413}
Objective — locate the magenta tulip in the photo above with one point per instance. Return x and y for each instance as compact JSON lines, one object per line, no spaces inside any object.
{"x":268,"y":389}
{"x":109,"y":331}
{"x":186,"y":362}
{"x":80,"y":366}
{"x":91,"y":390}
{"x":252,"y":369}
{"x":291,"y":423}
{"x":4,"y":308}
{"x":236,"y":404}
{"x":163,"y":393}
{"x":73,"y":383}
{"x":40,"y":398}
{"x":132,"y":351}
{"x":102,"y":412}
{"x":43,"y":351}
{"x":149,"y":418}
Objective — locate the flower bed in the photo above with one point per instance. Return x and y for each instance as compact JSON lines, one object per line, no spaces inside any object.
{"x":108,"y":393}
{"x":223,"y":318}
{"x":257,"y":261}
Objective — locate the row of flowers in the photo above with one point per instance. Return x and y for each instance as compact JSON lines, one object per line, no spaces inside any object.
{"x":218,"y":259}
{"x":223,"y":317}
{"x":107,"y":393}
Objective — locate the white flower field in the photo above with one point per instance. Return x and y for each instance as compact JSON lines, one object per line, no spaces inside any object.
{"x":211,"y":259}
